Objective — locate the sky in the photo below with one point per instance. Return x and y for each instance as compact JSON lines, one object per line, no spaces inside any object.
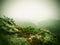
{"x":30,"y":10}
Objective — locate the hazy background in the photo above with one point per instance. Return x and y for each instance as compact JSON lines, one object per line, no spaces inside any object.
{"x":30,"y":10}
{"x":36,"y":13}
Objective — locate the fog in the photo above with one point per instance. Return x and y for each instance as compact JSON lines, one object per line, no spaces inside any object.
{"x":30,"y":10}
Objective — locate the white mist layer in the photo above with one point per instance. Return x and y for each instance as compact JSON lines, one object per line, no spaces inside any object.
{"x":34,"y":11}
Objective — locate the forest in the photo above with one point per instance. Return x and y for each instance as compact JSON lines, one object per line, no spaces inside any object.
{"x":13,"y":34}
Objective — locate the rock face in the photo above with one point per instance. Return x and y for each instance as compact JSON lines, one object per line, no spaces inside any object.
{"x":9,"y":32}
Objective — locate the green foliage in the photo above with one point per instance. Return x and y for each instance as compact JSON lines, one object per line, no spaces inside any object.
{"x":29,"y":30}
{"x":4,"y":40}
{"x":7,"y":25}
{"x":11,"y":35}
{"x":19,"y":41}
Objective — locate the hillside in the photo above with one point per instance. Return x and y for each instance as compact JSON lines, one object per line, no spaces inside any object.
{"x":12,"y":34}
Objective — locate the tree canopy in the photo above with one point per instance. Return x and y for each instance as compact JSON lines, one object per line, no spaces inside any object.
{"x":12,"y":34}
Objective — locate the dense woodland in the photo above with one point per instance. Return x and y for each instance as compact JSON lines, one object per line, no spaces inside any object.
{"x":13,"y":34}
